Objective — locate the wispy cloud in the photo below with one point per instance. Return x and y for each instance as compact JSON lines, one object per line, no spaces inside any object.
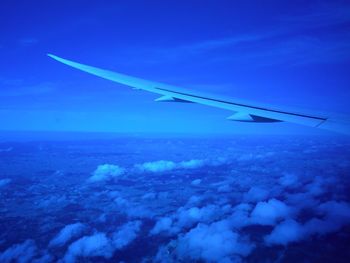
{"x":298,"y":50}
{"x":264,"y":50}
{"x":326,"y":14}
{"x":28,"y":41}
{"x":15,"y":88}
{"x":208,"y":46}
{"x":213,"y":44}
{"x":314,"y":36}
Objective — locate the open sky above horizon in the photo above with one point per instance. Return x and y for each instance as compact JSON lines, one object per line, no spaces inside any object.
{"x":290,"y":53}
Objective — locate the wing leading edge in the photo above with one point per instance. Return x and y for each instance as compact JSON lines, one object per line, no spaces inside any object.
{"x":243,"y":111}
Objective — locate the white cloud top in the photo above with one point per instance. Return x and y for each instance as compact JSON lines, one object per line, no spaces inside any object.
{"x":106,"y":172}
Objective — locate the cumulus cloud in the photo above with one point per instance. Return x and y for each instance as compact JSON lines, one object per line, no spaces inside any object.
{"x":54,"y":200}
{"x":225,"y":188}
{"x":46,"y":258}
{"x":188,"y":217}
{"x":67,"y":234}
{"x":196,"y":182}
{"x":334,"y":209}
{"x":335,"y":216}
{"x":157,"y":166}
{"x":286,"y":232}
{"x":256,"y":194}
{"x":245,"y":157}
{"x":240,"y":216}
{"x":163,"y":255}
{"x":165,"y":166}
{"x":267,"y":213}
{"x":317,"y":187}
{"x":191,"y":164}
{"x":185,"y":218}
{"x":150,"y":195}
{"x":126,"y":234}
{"x":212,"y":243}
{"x":4,"y":182}
{"x":194,"y":200}
{"x":106,"y":172}
{"x":302,"y":200}
{"x":162,"y":225}
{"x":99,"y":245}
{"x":89,"y":246}
{"x":132,"y":210}
{"x":289,"y":180}
{"x":21,"y":253}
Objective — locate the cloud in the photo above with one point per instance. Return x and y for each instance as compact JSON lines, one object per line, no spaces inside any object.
{"x":301,"y":50}
{"x":267,"y":213}
{"x":188,"y":217}
{"x":99,"y":245}
{"x":67,"y":233}
{"x":196,"y":182}
{"x":256,"y":194}
{"x":225,"y":188}
{"x":191,"y":164}
{"x":212,"y":243}
{"x":301,"y":200}
{"x":165,"y":166}
{"x":157,"y":166}
{"x":131,"y":209}
{"x":211,"y":44}
{"x":205,"y":46}
{"x":194,"y":200}
{"x":9,"y":149}
{"x":89,"y":246}
{"x":246,"y":157}
{"x":126,"y":234}
{"x":240,"y":216}
{"x":319,"y":226}
{"x":150,"y":195}
{"x":46,"y":258}
{"x":52,"y":201}
{"x":164,"y":256}
{"x":335,"y":216}
{"x":286,"y":232}
{"x":289,"y":180}
{"x":21,"y":253}
{"x":28,"y":41}
{"x":293,"y":41}
{"x":4,"y":182}
{"x":16,"y":88}
{"x":185,"y":218}
{"x":163,"y":224}
{"x":106,"y":172}
{"x":327,"y":14}
{"x":335,"y":209}
{"x":316,"y":188}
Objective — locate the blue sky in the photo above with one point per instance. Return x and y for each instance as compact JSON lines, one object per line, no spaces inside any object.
{"x":294,"y":53}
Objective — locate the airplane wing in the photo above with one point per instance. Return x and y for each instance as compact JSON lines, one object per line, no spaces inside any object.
{"x":242,"y":111}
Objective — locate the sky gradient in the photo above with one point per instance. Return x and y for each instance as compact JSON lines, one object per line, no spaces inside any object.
{"x":290,"y":53}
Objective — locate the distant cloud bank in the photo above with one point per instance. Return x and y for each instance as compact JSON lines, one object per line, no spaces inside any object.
{"x":165,"y":166}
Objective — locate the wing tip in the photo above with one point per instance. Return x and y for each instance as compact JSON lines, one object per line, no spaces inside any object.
{"x":62,"y":60}
{"x":52,"y":56}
